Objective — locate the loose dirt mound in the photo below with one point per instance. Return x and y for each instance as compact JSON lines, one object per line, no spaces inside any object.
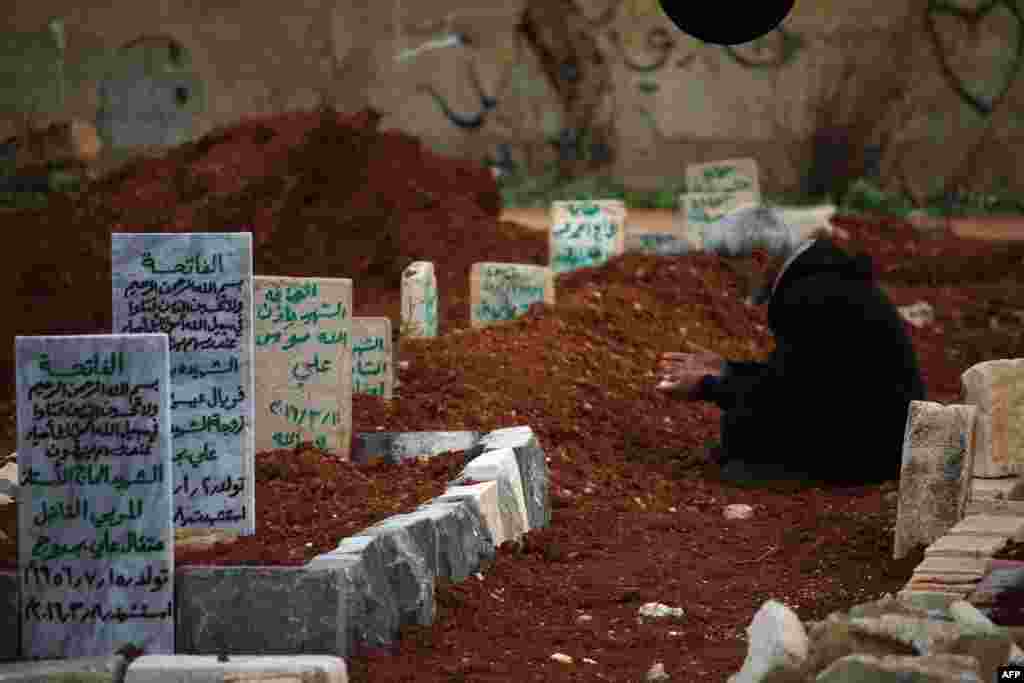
{"x":324,"y":195}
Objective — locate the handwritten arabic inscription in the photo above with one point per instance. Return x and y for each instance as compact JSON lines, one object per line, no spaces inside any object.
{"x":303,"y":363}
{"x":197,"y":288}
{"x":586,"y":233}
{"x":372,"y":371}
{"x":95,"y":541}
{"x":727,"y":175}
{"x":419,"y":300}
{"x":504,"y":291}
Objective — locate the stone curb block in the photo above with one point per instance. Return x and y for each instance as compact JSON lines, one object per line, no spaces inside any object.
{"x":238,"y":669}
{"x":483,"y":497}
{"x":361,"y":593}
{"x":83,"y":669}
{"x":533,"y":469}
{"x":501,"y":466}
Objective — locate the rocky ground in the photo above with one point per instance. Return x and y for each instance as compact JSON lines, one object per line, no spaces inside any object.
{"x":638,"y":514}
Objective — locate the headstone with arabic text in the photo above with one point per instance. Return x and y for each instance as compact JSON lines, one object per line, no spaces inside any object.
{"x":303,"y":363}
{"x":586,"y":233}
{"x":95,"y":537}
{"x":197,"y":288}
{"x":372,"y":357}
{"x":419,"y":300}
{"x":726,"y":175}
{"x":504,"y":291}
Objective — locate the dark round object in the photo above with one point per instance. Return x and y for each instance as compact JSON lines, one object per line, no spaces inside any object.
{"x":727,"y":23}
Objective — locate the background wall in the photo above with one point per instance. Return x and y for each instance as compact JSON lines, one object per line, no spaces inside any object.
{"x":935,"y":84}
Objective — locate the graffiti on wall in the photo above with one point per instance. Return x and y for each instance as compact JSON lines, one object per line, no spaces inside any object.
{"x":972,"y":19}
{"x":646,"y":52}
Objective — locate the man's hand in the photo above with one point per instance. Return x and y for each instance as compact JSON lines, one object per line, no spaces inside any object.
{"x":680,"y":373}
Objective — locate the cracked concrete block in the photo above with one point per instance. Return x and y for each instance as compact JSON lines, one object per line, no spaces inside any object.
{"x":533,"y":468}
{"x":485,"y":497}
{"x":465,"y":543}
{"x":271,"y":610}
{"x":500,"y":465}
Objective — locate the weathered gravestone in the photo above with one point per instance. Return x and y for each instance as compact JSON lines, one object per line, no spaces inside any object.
{"x":303,"y":363}
{"x":197,"y":288}
{"x":372,"y":358}
{"x":727,"y":175}
{"x":95,"y":538}
{"x":935,"y":475}
{"x":504,"y":291}
{"x":586,"y":233}
{"x":419,"y":300}
{"x":996,"y":387}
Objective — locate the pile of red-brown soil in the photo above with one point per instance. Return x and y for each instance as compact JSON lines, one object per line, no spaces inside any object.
{"x":638,"y":516}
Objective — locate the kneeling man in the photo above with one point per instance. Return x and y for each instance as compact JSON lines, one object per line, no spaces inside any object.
{"x":831,"y":401}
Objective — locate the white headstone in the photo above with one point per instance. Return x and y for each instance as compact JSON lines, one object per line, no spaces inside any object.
{"x":504,"y":291}
{"x":197,"y":287}
{"x":303,"y":363}
{"x":372,"y":357}
{"x":727,"y":175}
{"x":419,"y":300}
{"x":586,"y":233}
{"x":935,"y":475}
{"x":996,"y":387}
{"x":95,"y":538}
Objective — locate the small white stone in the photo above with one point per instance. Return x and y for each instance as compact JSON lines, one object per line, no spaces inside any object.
{"x":584,"y":618}
{"x":656,"y":610}
{"x":588,"y":660}
{"x":672,"y":509}
{"x":559,"y":657}
{"x":657,"y":672}
{"x":739,"y":511}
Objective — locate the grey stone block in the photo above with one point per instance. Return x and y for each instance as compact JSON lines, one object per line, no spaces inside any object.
{"x":533,"y":468}
{"x":407,"y":571}
{"x":372,"y":615}
{"x":269,"y":610}
{"x":10,"y":625}
{"x":162,"y":668}
{"x":80,"y":669}
{"x":395,"y":447}
{"x":464,"y":541}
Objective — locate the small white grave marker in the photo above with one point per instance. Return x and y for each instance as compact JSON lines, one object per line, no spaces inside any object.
{"x":727,"y":175}
{"x":303,"y":363}
{"x":95,"y":537}
{"x":504,"y":291}
{"x":372,"y":357}
{"x":197,"y":288}
{"x":586,"y":233}
{"x":419,"y":300}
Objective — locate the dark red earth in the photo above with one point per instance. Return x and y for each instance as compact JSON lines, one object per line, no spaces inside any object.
{"x":638,"y":514}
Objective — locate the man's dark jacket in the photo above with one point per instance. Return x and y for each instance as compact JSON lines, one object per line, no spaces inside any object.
{"x":831,"y":402}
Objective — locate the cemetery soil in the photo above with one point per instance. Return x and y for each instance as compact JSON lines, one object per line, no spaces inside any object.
{"x":638,"y":513}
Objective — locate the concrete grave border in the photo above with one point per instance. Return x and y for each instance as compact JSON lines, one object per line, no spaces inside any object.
{"x":361,"y":593}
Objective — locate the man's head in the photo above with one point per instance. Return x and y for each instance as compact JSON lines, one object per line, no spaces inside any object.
{"x":763,"y":294}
